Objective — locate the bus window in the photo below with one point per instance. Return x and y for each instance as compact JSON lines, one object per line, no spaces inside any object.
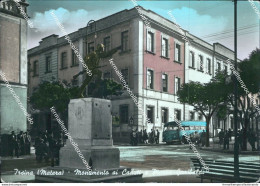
{"x":203,"y":128}
{"x":192,"y":127}
{"x":197,"y":127}
{"x":175,"y":128}
{"x":186,"y":128}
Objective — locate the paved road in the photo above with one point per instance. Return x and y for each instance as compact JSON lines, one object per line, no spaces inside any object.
{"x":159,"y":163}
{"x":170,"y":160}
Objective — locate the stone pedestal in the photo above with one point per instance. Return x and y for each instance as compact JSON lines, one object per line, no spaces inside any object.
{"x":90,"y":126}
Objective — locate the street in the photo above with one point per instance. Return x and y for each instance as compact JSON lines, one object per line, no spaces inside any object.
{"x":158,"y":163}
{"x":170,"y":160}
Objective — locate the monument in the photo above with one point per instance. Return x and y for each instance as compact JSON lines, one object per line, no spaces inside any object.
{"x":90,"y":126}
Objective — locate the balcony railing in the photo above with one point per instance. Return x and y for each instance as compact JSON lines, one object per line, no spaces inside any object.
{"x":11,"y":6}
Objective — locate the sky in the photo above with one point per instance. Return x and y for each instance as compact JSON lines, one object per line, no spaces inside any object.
{"x":212,"y":21}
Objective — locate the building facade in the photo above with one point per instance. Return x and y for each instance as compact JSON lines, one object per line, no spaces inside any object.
{"x":13,"y":63}
{"x":153,"y":62}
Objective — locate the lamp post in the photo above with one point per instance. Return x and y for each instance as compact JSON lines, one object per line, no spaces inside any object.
{"x":236,"y":147}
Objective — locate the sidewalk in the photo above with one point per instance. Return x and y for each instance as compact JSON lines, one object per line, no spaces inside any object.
{"x":215,"y":147}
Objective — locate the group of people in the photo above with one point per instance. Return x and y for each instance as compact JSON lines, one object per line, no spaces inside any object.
{"x":47,"y":147}
{"x":20,"y":144}
{"x":142,"y":137}
{"x":198,"y":138}
{"x":225,"y":138}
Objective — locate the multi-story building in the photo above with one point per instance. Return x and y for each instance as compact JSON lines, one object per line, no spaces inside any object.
{"x":13,"y":63}
{"x":154,"y":63}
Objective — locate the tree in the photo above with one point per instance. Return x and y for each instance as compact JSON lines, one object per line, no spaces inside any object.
{"x":205,"y":98}
{"x":248,"y":73}
{"x":56,"y":94}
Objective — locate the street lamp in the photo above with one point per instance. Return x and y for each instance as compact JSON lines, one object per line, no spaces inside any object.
{"x":236,"y":147}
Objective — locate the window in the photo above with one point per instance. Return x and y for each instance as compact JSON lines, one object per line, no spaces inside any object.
{"x":123,"y":110}
{"x":150,"y":42}
{"x":150,"y":113}
{"x":150,"y":79}
{"x":165,"y":47}
{"x":192,"y":116}
{"x":200,"y":117}
{"x":257,"y":103}
{"x":192,"y":60}
{"x":186,"y":127}
{"x":177,"y":114}
{"x":165,"y":82}
{"x":64,"y":60}
{"x":209,"y":66}
{"x":74,"y":59}
{"x":107,"y":44}
{"x":225,"y":68}
{"x":124,"y":73}
{"x":124,"y":41}
{"x":197,"y":127}
{"x":106,"y":75}
{"x":164,"y":115}
{"x":48,"y":64}
{"x":35,"y":68}
{"x":91,"y":47}
{"x":200,"y":63}
{"x":218,"y":66}
{"x":177,"y":84}
{"x":192,"y":127}
{"x":178,"y":53}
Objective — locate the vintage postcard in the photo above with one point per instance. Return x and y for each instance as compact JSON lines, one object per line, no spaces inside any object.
{"x":129,"y":91}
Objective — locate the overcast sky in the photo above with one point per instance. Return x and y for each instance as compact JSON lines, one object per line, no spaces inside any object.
{"x":212,"y":21}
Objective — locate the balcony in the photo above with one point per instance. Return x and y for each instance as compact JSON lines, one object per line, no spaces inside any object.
{"x":14,"y":7}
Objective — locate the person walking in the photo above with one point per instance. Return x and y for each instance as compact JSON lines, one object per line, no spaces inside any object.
{"x":12,"y":143}
{"x":21,"y":140}
{"x":203,"y":138}
{"x":17,"y":146}
{"x":145,"y":137}
{"x":157,"y":136}
{"x":27,"y":143}
{"x":226,"y":140}
{"x":221,"y":137}
{"x":229,"y":134}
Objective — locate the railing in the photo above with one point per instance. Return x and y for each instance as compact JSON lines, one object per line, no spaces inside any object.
{"x":11,"y":5}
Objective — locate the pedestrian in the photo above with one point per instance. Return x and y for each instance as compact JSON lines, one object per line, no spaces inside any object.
{"x":157,"y":136}
{"x":229,"y":134}
{"x":17,"y":146}
{"x":21,"y":140}
{"x":140,"y":136}
{"x":203,"y":138}
{"x":226,"y":140}
{"x":145,"y":137}
{"x":152,"y":134}
{"x":12,"y":143}
{"x":132,"y":137}
{"x":221,"y":137}
{"x":240,"y":138}
{"x":27,"y":143}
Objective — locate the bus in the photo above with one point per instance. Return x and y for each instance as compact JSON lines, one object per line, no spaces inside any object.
{"x":172,"y":133}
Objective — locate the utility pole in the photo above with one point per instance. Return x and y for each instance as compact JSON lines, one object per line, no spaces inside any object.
{"x":236,"y":147}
